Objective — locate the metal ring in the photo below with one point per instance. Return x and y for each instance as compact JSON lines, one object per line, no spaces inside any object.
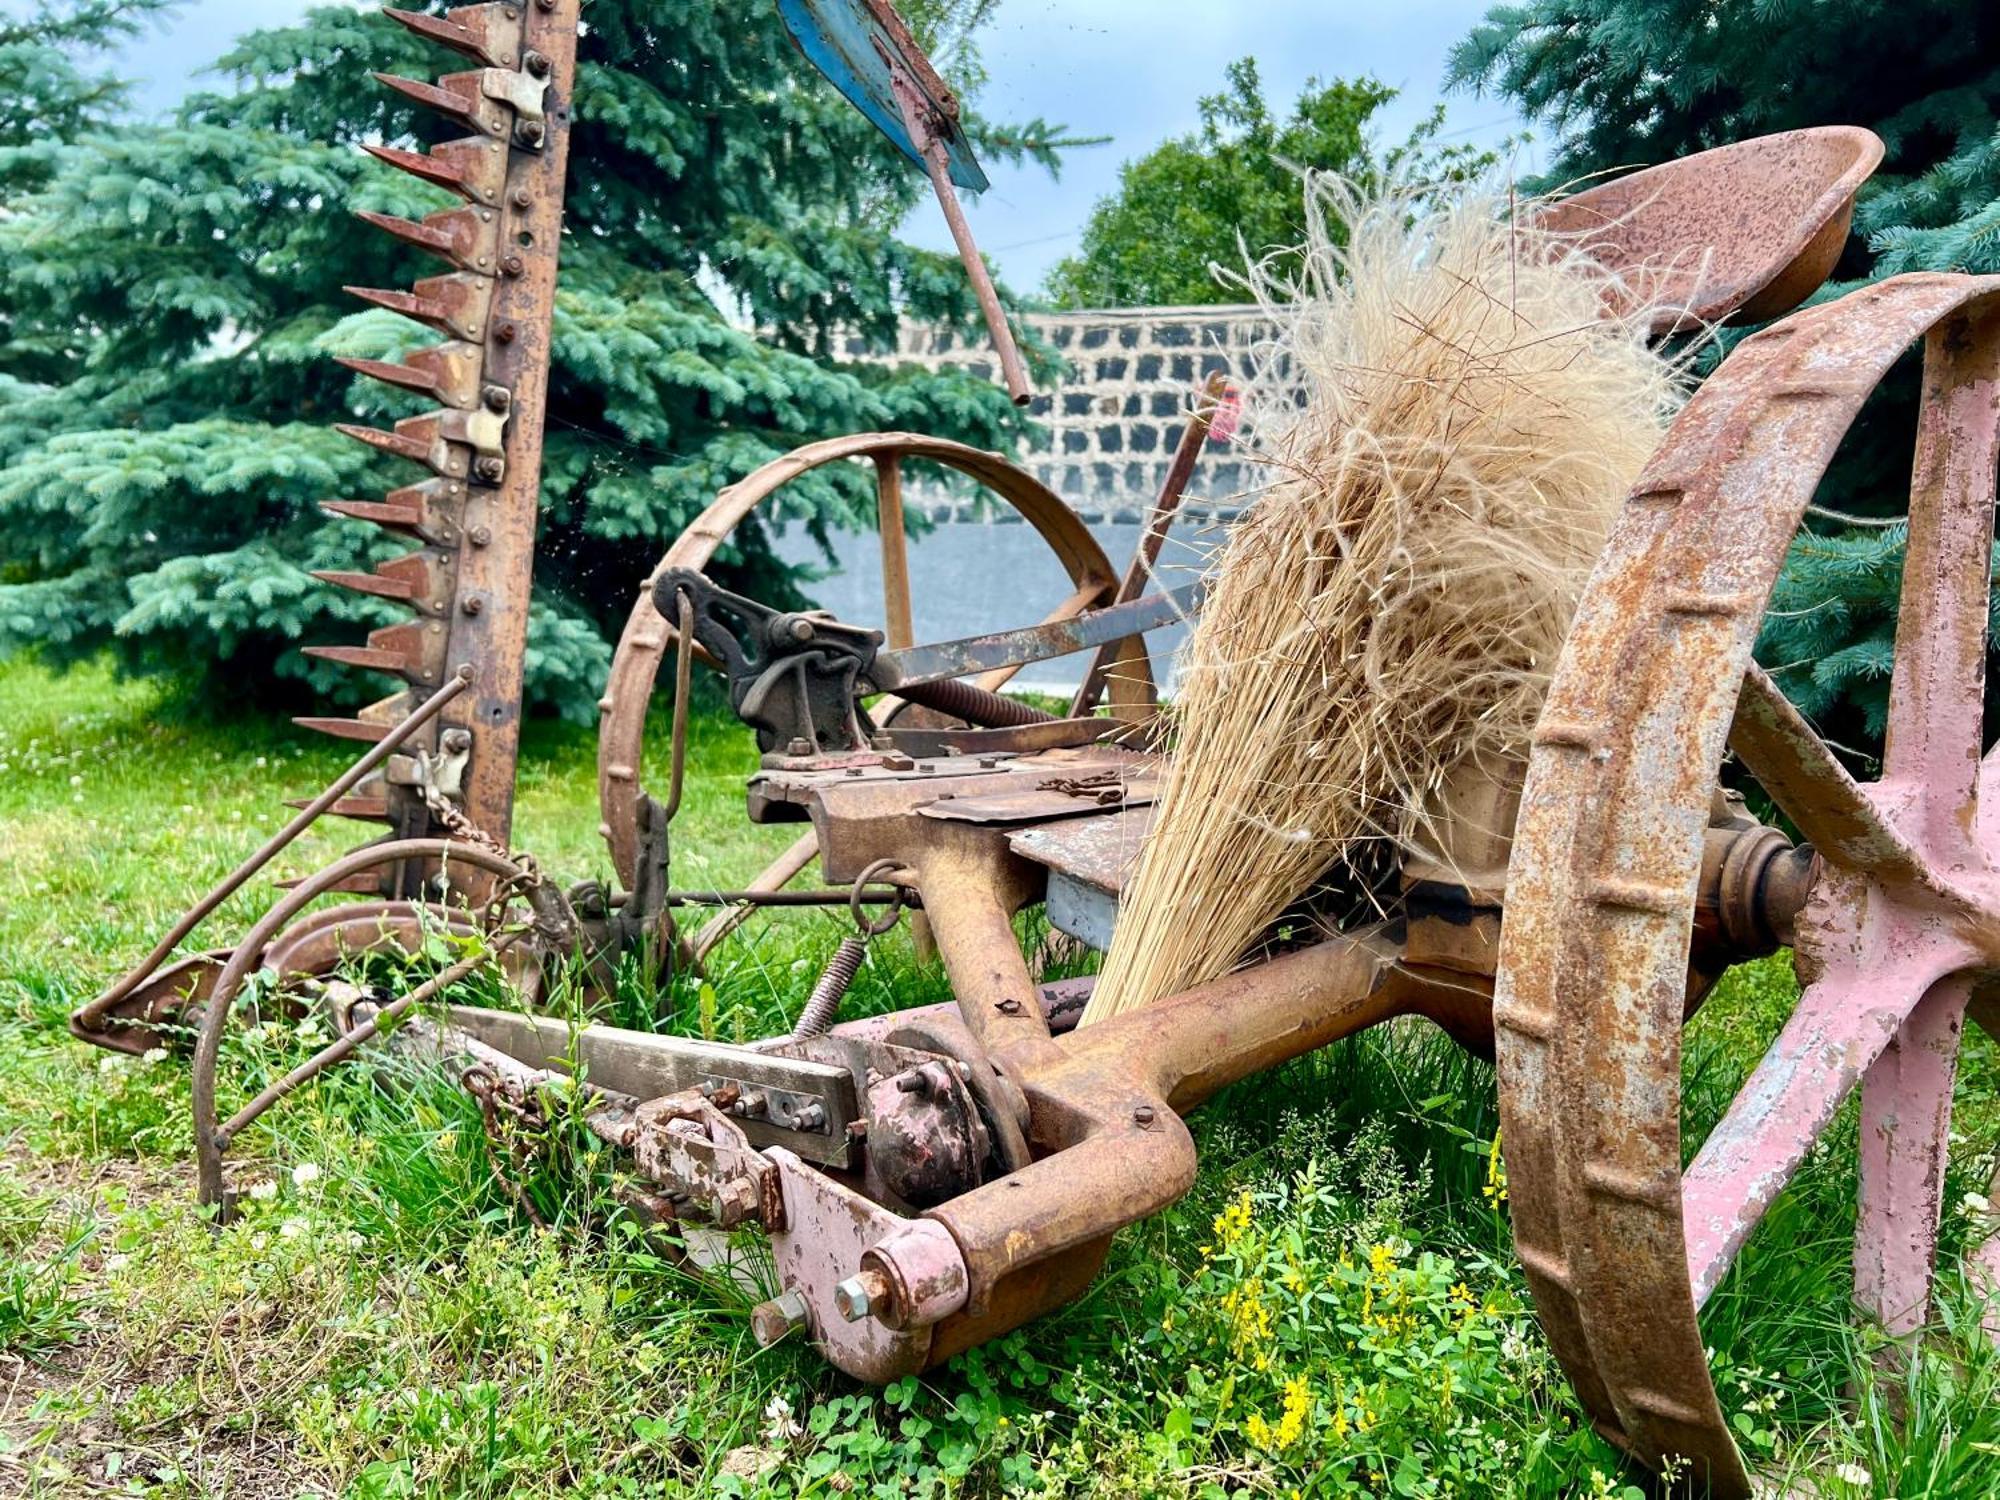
{"x":891,"y":914}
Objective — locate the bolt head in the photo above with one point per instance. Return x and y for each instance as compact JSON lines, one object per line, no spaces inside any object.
{"x":799,"y":746}
{"x":504,"y":333}
{"x":473,"y":605}
{"x":536,"y":64}
{"x":497,"y":398}
{"x":851,"y":1299}
{"x":513,"y":265}
{"x":1143,"y":1115}
{"x":532,"y":133}
{"x":1008,"y":1007}
{"x":737,"y":1199}
{"x":481,"y":536}
{"x":784,"y":1314}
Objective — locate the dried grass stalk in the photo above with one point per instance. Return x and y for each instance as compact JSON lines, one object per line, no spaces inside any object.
{"x":1453,"y":422}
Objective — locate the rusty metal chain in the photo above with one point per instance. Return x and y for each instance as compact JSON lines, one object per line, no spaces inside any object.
{"x":447,"y":813}
{"x":511,"y":1126}
{"x":1105,"y":788}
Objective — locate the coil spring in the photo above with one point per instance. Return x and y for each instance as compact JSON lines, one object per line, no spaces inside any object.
{"x":824,"y":1003}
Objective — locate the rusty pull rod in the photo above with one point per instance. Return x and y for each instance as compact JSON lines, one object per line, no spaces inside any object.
{"x":937,"y":163}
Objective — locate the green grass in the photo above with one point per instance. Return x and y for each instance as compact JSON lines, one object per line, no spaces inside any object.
{"x":1332,"y":1310}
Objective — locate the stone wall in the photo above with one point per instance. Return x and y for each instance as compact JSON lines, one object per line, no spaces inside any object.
{"x":1114,"y":421}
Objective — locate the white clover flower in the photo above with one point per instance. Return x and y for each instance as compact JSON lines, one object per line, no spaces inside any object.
{"x":291,"y":1229}
{"x":1975,"y":1205}
{"x":259,"y":1240}
{"x":355,"y":1239}
{"x":155,"y":1055}
{"x":116,"y":1263}
{"x":262,"y":762}
{"x":305,"y":1174}
{"x":264,"y":1191}
{"x":76,"y":781}
{"x":779,"y":1424}
{"x":1855,"y":1475}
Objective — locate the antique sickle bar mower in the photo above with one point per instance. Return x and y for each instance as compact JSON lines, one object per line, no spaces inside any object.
{"x":932,"y":1178}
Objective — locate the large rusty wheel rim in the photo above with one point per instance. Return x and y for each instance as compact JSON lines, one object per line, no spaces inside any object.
{"x":648,"y":637}
{"x":1618,"y":1247}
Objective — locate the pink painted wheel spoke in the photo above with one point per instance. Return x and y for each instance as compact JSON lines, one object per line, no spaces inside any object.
{"x":1839,"y":1027}
{"x":1986,"y":1266}
{"x":1905,"y":1129}
{"x":1794,"y":766}
{"x":1932,"y":753}
{"x":1984,"y":1262}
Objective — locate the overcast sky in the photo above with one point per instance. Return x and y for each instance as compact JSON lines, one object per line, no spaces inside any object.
{"x":1128,"y":69}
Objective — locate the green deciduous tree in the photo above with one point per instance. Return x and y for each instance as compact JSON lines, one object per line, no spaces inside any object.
{"x":1232,"y":187}
{"x":1626,"y":82}
{"x":172,"y":296}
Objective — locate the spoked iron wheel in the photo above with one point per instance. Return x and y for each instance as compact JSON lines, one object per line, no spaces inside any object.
{"x":1902,"y":924}
{"x":649,"y":637}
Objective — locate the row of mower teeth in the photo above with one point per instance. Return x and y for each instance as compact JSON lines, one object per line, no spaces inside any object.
{"x":462,"y":442}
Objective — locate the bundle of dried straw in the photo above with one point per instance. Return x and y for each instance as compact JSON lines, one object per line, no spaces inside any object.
{"x":1452,"y":420}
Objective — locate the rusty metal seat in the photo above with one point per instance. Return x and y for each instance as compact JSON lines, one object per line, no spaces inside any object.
{"x":1740,"y":234}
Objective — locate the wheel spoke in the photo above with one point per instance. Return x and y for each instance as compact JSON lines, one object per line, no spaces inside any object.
{"x":1985,"y":1265}
{"x":1841,"y":1024}
{"x":1905,"y":1128}
{"x":1932,"y":751}
{"x":897,"y":614}
{"x":1793,"y":764}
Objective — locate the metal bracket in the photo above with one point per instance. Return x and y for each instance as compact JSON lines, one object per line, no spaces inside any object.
{"x":687,"y":1145}
{"x":483,"y":429}
{"x":441,"y":776}
{"x":526,"y":92}
{"x":793,"y":677}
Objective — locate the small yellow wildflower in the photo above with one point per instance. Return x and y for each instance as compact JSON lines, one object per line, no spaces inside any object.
{"x":1298,"y":1406}
{"x":1495,"y":1191}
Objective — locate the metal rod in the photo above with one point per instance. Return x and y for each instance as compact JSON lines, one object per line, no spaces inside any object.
{"x":215,"y":1014}
{"x":895,"y":550}
{"x":1159,"y":520}
{"x":683,"y":686}
{"x":89,"y":1015}
{"x":344,"y":1047}
{"x":786,"y":898}
{"x":775,"y":876}
{"x":937,"y":162}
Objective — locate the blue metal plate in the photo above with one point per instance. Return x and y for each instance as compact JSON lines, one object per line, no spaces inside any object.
{"x":846,"y":40}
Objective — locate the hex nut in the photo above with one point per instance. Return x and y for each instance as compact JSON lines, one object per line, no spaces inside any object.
{"x":785,"y":1314}
{"x":861,"y":1295}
